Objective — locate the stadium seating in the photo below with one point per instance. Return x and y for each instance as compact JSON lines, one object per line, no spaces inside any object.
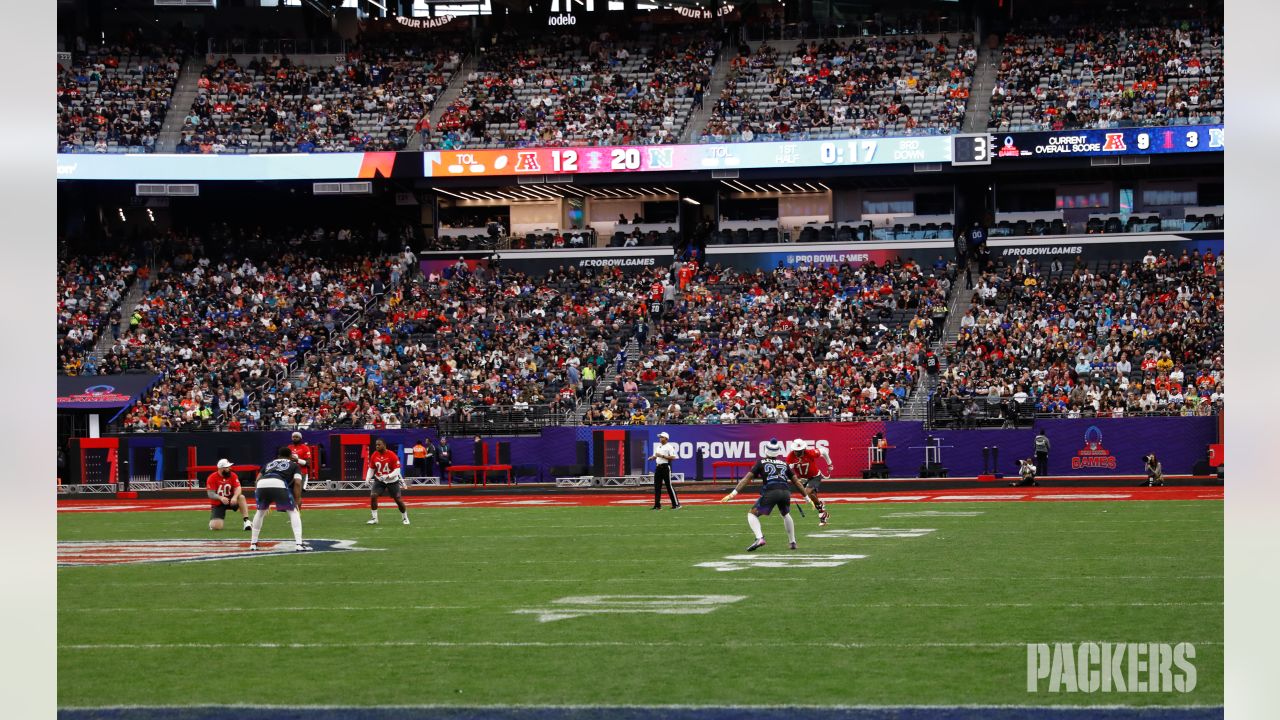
{"x":224,"y":330}
{"x":89,"y":289}
{"x":1100,"y":76}
{"x":373,"y":101}
{"x":579,"y":91}
{"x":114,"y":99}
{"x":809,"y":344}
{"x":832,"y":89}
{"x":1107,"y":339}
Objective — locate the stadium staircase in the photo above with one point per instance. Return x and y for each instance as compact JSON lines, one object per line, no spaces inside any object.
{"x":184,"y":94}
{"x":719,"y":76}
{"x":607,"y":377}
{"x":128,"y":301}
{"x":447,"y":96}
{"x":978,"y":111}
{"x":917,"y":407}
{"x":293,"y":371}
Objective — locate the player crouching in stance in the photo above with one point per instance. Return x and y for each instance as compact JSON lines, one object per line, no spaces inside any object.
{"x":1027,"y":469}
{"x":777,"y":479}
{"x":279,"y":484}
{"x":1155,"y":471}
{"x":803,"y":461}
{"x":384,"y":476}
{"x":223,"y":489}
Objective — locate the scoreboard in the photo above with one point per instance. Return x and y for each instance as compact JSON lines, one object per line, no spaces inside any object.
{"x":956,"y":150}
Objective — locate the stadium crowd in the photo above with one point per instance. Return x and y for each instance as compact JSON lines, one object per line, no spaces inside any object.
{"x":1107,"y":341}
{"x":218,"y":326}
{"x":1106,"y":76}
{"x":114,"y":98}
{"x":89,"y":291}
{"x":817,"y":343}
{"x":579,"y":90}
{"x":375,"y":100}
{"x":868,"y":86}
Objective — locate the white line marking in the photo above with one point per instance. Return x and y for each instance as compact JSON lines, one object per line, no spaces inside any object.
{"x":566,"y":644}
{"x":359,"y":709}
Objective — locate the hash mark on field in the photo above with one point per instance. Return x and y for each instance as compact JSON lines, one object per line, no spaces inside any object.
{"x":873,"y":532}
{"x":733,"y":563}
{"x":582,"y":605}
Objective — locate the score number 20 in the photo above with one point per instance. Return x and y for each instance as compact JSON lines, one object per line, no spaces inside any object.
{"x":619,"y":159}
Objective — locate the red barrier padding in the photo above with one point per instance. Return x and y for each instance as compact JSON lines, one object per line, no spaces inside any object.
{"x":731,"y":464}
{"x":482,"y":471}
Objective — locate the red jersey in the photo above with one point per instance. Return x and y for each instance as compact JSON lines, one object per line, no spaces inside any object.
{"x":305,"y":458}
{"x":808,"y":463}
{"x":225,"y":487}
{"x":384,"y":462}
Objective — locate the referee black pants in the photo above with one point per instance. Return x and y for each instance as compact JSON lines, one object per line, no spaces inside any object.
{"x":662,"y":476}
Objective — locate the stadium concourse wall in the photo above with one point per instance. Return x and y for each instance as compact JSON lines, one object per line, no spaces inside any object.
{"x":749,"y":258}
{"x":1082,"y":448}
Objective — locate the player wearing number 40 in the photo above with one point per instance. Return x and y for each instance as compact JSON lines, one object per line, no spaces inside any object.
{"x":223,"y":489}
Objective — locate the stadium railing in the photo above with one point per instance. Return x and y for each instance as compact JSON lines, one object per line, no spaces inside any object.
{"x":1008,"y":412}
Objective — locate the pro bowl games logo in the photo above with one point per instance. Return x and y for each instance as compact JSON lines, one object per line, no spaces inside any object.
{"x":96,"y":394}
{"x":1093,"y":456}
{"x":74,"y":553}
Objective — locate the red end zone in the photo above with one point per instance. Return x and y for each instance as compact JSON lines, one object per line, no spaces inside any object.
{"x":1007,"y":494}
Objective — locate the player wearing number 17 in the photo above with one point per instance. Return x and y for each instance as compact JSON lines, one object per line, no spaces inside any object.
{"x":777,"y":480}
{"x":804,"y":462}
{"x":384,"y":477}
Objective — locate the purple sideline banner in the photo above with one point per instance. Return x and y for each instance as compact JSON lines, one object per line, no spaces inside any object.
{"x":101,"y":392}
{"x":1079,"y":448}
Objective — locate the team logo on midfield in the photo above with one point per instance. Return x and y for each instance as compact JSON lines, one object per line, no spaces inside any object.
{"x":80,"y":553}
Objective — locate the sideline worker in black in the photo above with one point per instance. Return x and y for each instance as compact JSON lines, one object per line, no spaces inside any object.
{"x":1042,"y":454}
{"x":664,"y":453}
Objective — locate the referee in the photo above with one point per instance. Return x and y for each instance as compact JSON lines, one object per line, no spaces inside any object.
{"x":664,"y":453}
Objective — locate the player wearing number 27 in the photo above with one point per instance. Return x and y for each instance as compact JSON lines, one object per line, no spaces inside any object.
{"x":777,"y":480}
{"x":223,"y":489}
{"x":384,"y":478}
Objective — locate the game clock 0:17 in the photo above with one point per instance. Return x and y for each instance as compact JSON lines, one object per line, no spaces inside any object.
{"x":971,"y":149}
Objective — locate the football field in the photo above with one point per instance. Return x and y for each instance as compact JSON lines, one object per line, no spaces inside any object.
{"x":891,"y":604}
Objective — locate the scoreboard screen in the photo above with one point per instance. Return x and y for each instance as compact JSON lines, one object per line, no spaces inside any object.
{"x":1109,"y":141}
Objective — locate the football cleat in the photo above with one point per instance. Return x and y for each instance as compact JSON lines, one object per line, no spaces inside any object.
{"x":372,"y":522}
{"x":253,"y":546}
{"x":301,"y":547}
{"x":756,"y":545}
{"x":823,"y":518}
{"x":406,"y":520}
{"x":677,"y":506}
{"x":794,"y":547}
{"x":248,"y":525}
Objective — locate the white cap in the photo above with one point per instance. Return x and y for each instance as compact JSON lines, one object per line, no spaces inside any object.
{"x":224,"y":463}
{"x":664,"y":434}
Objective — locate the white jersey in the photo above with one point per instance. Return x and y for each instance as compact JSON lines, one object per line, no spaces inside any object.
{"x":665,"y":452}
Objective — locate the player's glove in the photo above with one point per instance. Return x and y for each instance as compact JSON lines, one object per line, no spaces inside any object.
{"x":729,"y":497}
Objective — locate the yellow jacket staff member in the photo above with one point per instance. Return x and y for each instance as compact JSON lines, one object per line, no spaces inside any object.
{"x":664,"y":453}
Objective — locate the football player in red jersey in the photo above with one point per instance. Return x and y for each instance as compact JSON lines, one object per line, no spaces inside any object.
{"x":303,"y":455}
{"x":384,"y":474}
{"x":807,"y":463}
{"x":223,"y":489}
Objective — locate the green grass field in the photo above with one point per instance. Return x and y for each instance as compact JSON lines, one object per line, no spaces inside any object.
{"x":938,"y":619}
